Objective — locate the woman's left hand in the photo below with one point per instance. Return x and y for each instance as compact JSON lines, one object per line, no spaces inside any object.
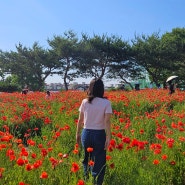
{"x":107,"y":142}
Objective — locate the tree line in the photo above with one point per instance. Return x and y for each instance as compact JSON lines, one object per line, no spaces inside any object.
{"x":99,"y":56}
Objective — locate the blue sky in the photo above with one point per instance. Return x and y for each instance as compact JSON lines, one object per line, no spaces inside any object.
{"x":28,"y":21}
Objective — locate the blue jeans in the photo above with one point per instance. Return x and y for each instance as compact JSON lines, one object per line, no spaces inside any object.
{"x":96,"y":140}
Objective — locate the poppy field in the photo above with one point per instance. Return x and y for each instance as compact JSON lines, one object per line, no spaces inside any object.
{"x":37,"y":139}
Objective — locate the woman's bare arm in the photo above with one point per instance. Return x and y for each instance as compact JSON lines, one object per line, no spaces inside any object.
{"x":108,"y":130}
{"x":79,"y":126}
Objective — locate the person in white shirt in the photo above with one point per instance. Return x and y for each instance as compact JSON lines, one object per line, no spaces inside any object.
{"x":94,"y":117}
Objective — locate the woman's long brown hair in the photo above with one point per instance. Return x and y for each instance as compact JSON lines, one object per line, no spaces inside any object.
{"x":96,"y":89}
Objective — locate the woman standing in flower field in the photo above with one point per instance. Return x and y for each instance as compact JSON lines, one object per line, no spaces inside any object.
{"x":94,"y":117}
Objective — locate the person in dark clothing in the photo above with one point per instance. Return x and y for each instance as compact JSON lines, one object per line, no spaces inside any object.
{"x":171,"y":87}
{"x":137,"y":88}
{"x":25,"y":91}
{"x":48,"y":94}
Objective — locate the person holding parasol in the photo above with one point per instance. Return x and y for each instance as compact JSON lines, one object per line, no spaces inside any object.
{"x":171,"y":83}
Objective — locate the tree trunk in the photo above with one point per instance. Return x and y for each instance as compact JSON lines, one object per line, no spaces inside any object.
{"x":65,"y":83}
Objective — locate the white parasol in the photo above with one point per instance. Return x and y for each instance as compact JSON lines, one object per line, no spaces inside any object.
{"x":171,"y":78}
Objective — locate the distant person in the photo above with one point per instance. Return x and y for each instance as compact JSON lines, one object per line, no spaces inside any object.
{"x":24,"y":91}
{"x":137,"y":88}
{"x":158,"y":85}
{"x":94,"y":116}
{"x":48,"y":94}
{"x":122,"y":87}
{"x":171,"y":87}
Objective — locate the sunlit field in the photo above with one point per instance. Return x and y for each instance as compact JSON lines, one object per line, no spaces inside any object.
{"x":37,"y":139}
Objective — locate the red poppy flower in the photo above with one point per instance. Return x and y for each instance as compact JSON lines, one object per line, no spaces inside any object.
{"x":155,"y":146}
{"x":1,"y":172}
{"x":29,"y":167}
{"x":91,"y":163}
{"x":24,"y":153}
{"x":163,"y":120}
{"x":89,"y":149}
{"x":19,"y":141}
{"x":75,"y":151}
{"x":66,"y":127}
{"x":53,"y":161}
{"x":20,"y":162}
{"x":121,"y":120}
{"x":172,"y":162}
{"x":2,"y":146}
{"x":47,"y":121}
{"x":10,"y":152}
{"x":57,"y":134}
{"x":182,"y":139}
{"x":170,"y":142}
{"x":181,"y":129}
{"x":44,"y":152}
{"x":164,"y":157}
{"x":12,"y":157}
{"x":108,"y":157}
{"x":156,"y":162}
{"x":22,"y":183}
{"x":6,"y":138}
{"x":31,"y":142}
{"x":157,"y":151}
{"x":81,"y":182}
{"x":50,"y":149}
{"x":4,"y":118}
{"x":142,"y":131}
{"x":44,"y":175}
{"x":173,"y":125}
{"x":160,"y":136}
{"x":120,"y":146}
{"x":75,"y":167}
{"x":33,"y":155}
{"x":60,"y":155}
{"x":37,"y":164}
{"x":119,"y":135}
{"x":112,"y":165}
{"x":113,"y":143}
{"x":126,"y":140}
{"x":40,"y":146}
{"x":110,"y":148}
{"x":36,"y":129}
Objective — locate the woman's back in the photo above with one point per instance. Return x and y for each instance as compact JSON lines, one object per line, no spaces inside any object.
{"x":94,"y":112}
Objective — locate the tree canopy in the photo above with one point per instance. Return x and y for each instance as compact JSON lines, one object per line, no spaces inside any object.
{"x":101,"y":56}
